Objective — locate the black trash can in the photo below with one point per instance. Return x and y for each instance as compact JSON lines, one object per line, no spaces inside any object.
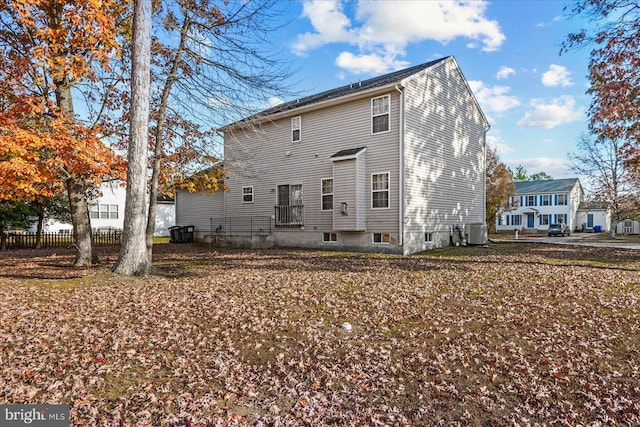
{"x":174,"y":234}
{"x":186,"y":233}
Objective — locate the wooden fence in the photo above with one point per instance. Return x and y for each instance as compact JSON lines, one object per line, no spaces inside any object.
{"x":52,"y":240}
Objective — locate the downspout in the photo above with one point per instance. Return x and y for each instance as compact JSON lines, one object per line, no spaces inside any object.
{"x":401,"y":169}
{"x":484,"y":177}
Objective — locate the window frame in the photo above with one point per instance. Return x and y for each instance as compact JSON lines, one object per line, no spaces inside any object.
{"x":332,"y":237}
{"x":94,"y":211}
{"x":375,"y":114}
{"x":323,"y":194}
{"x":546,"y":200}
{"x":562,"y":202}
{"x":298,"y":128}
{"x":428,"y":237}
{"x":252,"y":194}
{"x":513,"y":219}
{"x":388,"y":191}
{"x":382,"y":238}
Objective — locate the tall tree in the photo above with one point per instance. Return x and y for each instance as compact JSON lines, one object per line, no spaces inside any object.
{"x":213,"y":65}
{"x":499,"y":188}
{"x":521,"y":175}
{"x":133,"y":253}
{"x":614,"y":70}
{"x":599,"y":160}
{"x":55,"y":47}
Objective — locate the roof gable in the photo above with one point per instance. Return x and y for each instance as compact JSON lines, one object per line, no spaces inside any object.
{"x":549,"y":186}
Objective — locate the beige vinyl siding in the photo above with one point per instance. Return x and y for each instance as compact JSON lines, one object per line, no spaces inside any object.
{"x":351,"y":190}
{"x":266,"y":157}
{"x":197,"y":208}
{"x":444,"y":152}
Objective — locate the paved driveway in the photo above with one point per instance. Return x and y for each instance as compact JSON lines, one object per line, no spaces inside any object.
{"x":583,"y":239}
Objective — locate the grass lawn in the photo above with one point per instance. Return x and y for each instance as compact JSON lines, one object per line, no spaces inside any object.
{"x":512,"y":334}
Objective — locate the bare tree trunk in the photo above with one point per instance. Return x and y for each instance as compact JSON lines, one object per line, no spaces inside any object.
{"x":133,"y":253}
{"x":81,"y":224}
{"x":76,"y":190}
{"x":39,"y":226}
{"x":159,"y":137}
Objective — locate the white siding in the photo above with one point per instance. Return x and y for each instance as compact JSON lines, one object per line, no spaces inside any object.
{"x":197,"y":209}
{"x":443,"y":156}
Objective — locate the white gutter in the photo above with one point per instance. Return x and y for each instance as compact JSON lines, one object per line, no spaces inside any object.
{"x":401,"y":168}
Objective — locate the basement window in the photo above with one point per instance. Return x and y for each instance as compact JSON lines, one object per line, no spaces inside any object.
{"x":381,"y":238}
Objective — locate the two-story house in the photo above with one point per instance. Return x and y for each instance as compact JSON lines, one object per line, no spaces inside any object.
{"x":394,"y":164}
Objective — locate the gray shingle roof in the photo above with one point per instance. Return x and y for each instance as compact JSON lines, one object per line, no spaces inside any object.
{"x":375,"y":82}
{"x":348,"y":152}
{"x":550,"y":186}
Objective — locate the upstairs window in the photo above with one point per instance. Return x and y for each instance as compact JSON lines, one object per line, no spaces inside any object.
{"x":546,"y":200}
{"x":327,"y":194}
{"x":94,"y":212}
{"x":531,"y":201}
{"x":562,"y":199}
{"x":296,"y":127}
{"x":380,"y":114}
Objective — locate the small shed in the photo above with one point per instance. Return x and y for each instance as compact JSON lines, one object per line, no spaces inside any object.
{"x":628,"y":226}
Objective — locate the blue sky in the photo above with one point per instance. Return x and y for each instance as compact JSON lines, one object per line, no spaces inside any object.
{"x":534,"y":98}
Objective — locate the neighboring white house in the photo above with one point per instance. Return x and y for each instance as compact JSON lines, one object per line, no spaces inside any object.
{"x":537,"y":204}
{"x":391,"y":164}
{"x":107,"y":212}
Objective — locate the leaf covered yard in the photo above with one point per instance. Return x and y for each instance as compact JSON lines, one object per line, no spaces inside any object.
{"x":507,"y":335}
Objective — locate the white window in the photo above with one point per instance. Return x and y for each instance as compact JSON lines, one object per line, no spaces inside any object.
{"x":329,"y":237}
{"x":380,"y":114}
{"x":382,"y":238}
{"x":428,"y":237}
{"x":380,"y":190}
{"x":94,"y":212}
{"x":516,"y":219}
{"x":531,"y":201}
{"x":545,"y":219}
{"x":562,"y":199}
{"x":546,"y":200}
{"x":296,"y":128}
{"x":327,"y":194}
{"x":247,"y":194}
{"x":113,"y":211}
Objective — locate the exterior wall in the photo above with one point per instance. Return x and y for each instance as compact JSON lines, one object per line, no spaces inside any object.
{"x":443,"y":157}
{"x":198,"y":209}
{"x":165,"y":218}
{"x":266,"y":157}
{"x":601,"y":218}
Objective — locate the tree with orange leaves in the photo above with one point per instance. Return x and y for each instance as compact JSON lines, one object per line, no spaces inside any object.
{"x":48,"y":50}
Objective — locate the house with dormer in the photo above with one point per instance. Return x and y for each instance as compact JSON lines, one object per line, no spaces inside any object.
{"x":395,"y":164}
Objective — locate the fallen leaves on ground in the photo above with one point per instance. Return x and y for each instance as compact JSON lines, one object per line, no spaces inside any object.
{"x":507,"y":335}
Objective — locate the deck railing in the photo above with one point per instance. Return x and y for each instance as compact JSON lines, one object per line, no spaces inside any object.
{"x":289,"y":215}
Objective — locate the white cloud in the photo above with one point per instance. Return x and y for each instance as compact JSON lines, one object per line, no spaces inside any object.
{"x":556,"y":167}
{"x":557,"y":75}
{"x":493,"y":99}
{"x":330,"y":23}
{"x":385,"y":28}
{"x":274,"y":100}
{"x":495,"y":140}
{"x":360,"y":64}
{"x":558,"y":112}
{"x":504,"y":72}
